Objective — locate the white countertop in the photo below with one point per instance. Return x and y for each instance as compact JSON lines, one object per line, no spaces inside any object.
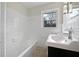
{"x":73,"y":46}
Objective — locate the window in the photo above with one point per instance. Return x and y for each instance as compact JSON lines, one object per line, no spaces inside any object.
{"x":49,"y":18}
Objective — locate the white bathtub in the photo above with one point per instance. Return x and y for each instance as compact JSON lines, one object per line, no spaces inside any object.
{"x":28,"y":51}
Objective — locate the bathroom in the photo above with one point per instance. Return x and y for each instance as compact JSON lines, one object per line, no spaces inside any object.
{"x":23,"y":33}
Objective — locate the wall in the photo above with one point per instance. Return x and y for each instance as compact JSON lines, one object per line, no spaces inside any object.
{"x":35,"y":28}
{"x":16,"y":28}
{"x":0,"y":29}
{"x":24,"y":24}
{"x":2,"y":8}
{"x":75,"y":27}
{"x":74,"y":23}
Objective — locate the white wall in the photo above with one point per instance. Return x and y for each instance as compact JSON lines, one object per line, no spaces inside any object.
{"x":2,"y":8}
{"x":35,"y":29}
{"x":17,"y":28}
{"x":75,"y":27}
{"x":0,"y":29}
{"x":25,"y":24}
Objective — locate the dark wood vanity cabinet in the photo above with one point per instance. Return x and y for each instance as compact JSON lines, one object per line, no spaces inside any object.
{"x":58,"y":52}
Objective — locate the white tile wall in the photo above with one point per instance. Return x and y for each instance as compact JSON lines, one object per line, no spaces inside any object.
{"x":37,"y":31}
{"x":22,"y":27}
{"x":17,"y":29}
{"x":2,"y":7}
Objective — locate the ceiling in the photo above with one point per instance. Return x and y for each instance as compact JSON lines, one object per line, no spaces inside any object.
{"x":33,"y":4}
{"x":75,"y":3}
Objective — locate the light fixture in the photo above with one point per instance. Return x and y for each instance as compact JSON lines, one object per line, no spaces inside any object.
{"x":67,"y":7}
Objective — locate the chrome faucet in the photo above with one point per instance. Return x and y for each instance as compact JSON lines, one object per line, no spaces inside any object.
{"x":70,"y":34}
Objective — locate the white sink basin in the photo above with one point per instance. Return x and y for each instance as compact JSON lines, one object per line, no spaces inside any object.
{"x":57,"y":38}
{"x":63,"y":42}
{"x":60,"y":39}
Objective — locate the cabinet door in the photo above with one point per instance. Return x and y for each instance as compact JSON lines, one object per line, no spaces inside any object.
{"x":57,"y":52}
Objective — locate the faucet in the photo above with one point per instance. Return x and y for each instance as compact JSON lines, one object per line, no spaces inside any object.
{"x":70,"y":34}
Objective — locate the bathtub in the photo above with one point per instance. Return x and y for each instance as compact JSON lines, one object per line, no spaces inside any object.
{"x":28,"y":51}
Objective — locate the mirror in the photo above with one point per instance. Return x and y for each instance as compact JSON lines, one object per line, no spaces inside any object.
{"x":70,"y":17}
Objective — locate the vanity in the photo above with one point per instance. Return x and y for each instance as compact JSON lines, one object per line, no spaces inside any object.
{"x":59,"y":46}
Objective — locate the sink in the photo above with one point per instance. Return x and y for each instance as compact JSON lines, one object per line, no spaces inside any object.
{"x":59,"y":39}
{"x":63,"y":42}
